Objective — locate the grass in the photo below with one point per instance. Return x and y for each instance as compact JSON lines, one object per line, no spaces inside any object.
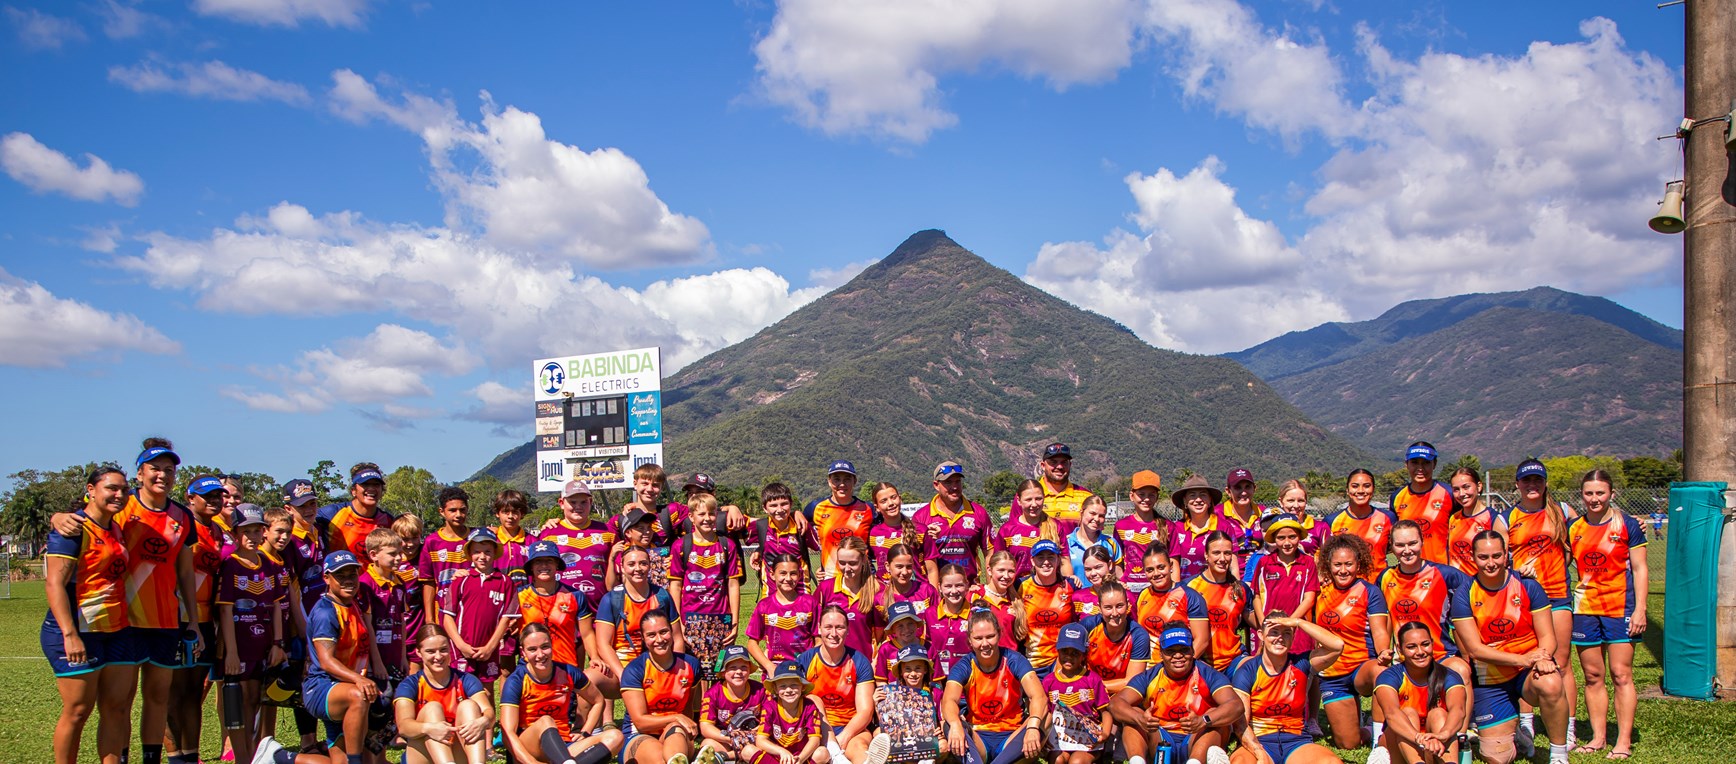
{"x":1667,"y":731}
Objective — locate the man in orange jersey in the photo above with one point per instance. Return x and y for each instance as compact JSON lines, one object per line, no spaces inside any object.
{"x":840,"y":514}
{"x":346,"y":525}
{"x":1426,"y":501}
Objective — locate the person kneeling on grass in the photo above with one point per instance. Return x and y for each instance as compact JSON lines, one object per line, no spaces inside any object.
{"x":338,"y":687}
{"x":440,"y":707}
{"x":661,"y":691}
{"x":1181,"y":710}
{"x":1424,"y":703}
{"x":536,"y":708}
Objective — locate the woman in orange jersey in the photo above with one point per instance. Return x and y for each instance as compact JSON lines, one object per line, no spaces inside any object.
{"x":1418,"y":590}
{"x":662,"y":693}
{"x":1471,"y":516}
{"x":1005,"y":697}
{"x":999,"y":593}
{"x":1425,"y":703}
{"x":1361,"y":518}
{"x":1274,"y":687}
{"x":536,"y":708}
{"x":1424,"y":500}
{"x":1352,"y":608}
{"x":1180,"y":705}
{"x":1048,"y":600}
{"x":1228,"y":601}
{"x":1609,"y":607}
{"x":1165,"y":601}
{"x":619,"y":636}
{"x":84,"y":634}
{"x":439,"y":708}
{"x":1502,"y":621}
{"x":1537,"y":544}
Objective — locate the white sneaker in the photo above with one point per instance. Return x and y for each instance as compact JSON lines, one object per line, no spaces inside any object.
{"x":879,"y":749}
{"x":1216,"y":755}
{"x":266,"y":753}
{"x":1379,"y":756}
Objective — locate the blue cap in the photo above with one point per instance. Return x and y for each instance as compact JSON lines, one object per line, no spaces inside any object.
{"x":482,"y":534}
{"x":1176,"y":636}
{"x":1072,"y":637}
{"x":367,"y":476}
{"x":298,"y":492}
{"x":1421,"y":451}
{"x":900,"y":611}
{"x":732,"y":654}
{"x":339,"y":560}
{"x":789,"y":670}
{"x":1045,"y":545}
{"x":154,"y":452}
{"x":1531,"y":468}
{"x":204,"y":485}
{"x":910,"y":653}
{"x":249,"y":514}
{"x":841,"y":466}
{"x":541,"y":550}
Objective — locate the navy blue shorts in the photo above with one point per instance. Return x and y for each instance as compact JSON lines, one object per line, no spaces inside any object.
{"x":100,"y":649}
{"x":1494,"y":704}
{"x":159,"y":647}
{"x":1601,"y":630}
{"x":1279,"y":745}
{"x":206,"y":658}
{"x":1176,"y":743}
{"x":1336,"y":688}
{"x":314,"y":690}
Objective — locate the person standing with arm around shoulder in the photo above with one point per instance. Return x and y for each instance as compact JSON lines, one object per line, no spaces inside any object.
{"x":1609,"y":608}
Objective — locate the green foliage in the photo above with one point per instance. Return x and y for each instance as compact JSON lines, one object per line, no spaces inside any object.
{"x":1000,"y":486}
{"x":1465,"y":461}
{"x":328,"y":482}
{"x":256,"y":488}
{"x":1650,"y":472}
{"x":36,"y":494}
{"x":411,"y":491}
{"x":1566,"y":471}
{"x":1389,"y":482}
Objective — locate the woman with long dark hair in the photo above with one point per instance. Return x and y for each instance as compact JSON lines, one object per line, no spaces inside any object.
{"x":1423,"y":702}
{"x":1470,"y":517}
{"x":1361,"y":518}
{"x":1228,"y":602}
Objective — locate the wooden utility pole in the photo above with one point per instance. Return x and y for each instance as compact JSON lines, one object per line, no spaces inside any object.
{"x":1709,"y":284}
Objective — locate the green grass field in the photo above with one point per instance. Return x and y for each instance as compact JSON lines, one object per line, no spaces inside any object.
{"x":1667,"y":731}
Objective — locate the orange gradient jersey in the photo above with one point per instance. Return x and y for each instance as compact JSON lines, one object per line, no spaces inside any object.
{"x":833,"y":523}
{"x":1603,"y":556}
{"x":1415,"y":696}
{"x":1171,"y":700}
{"x":1502,"y":617}
{"x":561,"y":611}
{"x":99,"y":560}
{"x":347,"y":529}
{"x":206,"y":564}
{"x":1376,"y":529}
{"x":154,"y":541}
{"x":1530,"y":536}
{"x":1153,"y":609}
{"x":1461,"y":530}
{"x":1423,"y":596}
{"x":1430,"y":511}
{"x":535,"y":700}
{"x":1226,"y":606}
{"x":835,"y":686}
{"x":1277,"y":702}
{"x":420,"y":690}
{"x":1047,"y":609}
{"x":1349,"y":613}
{"x":995,"y":698}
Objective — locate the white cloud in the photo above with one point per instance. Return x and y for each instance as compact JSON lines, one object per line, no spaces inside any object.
{"x":123,"y":20}
{"x":831,"y":278}
{"x":104,"y":239}
{"x":43,"y":169}
{"x":1461,"y":178}
{"x":38,"y":329}
{"x":875,"y":68}
{"x":41,"y":31}
{"x":286,"y":13}
{"x":504,"y":407}
{"x":212,"y":79}
{"x":391,"y":364}
{"x":534,"y":194}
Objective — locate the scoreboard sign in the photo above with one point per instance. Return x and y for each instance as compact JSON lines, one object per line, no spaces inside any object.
{"x":598,"y":417}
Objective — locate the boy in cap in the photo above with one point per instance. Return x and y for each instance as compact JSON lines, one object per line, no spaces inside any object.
{"x":480,"y":609}
{"x":1079,"y":721}
{"x":730,"y":714}
{"x":793,"y":725}
{"x":584,"y":543}
{"x":638,"y":530}
{"x":839,"y":514}
{"x":250,"y":587}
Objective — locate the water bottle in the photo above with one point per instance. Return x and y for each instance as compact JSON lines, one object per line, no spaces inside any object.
{"x":231,"y":697}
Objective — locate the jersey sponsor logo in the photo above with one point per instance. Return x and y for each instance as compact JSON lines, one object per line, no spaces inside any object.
{"x":1594,"y":560}
{"x":1501,"y":627}
{"x":155,"y":546}
{"x":1329,"y":618}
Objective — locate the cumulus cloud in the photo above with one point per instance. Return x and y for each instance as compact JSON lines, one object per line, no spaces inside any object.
{"x":505,"y":178}
{"x":211,"y":79}
{"x":286,"y":13}
{"x":41,"y":31}
{"x":875,"y":68}
{"x":43,"y":169}
{"x":391,"y":364}
{"x":123,"y":20}
{"x":38,"y":329}
{"x":1458,"y":179}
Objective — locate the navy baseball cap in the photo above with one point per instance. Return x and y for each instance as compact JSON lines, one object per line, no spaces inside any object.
{"x":900,"y":611}
{"x":298,"y":492}
{"x":249,"y":514}
{"x":1072,"y":637}
{"x":910,"y":653}
{"x":789,"y":670}
{"x":701,"y":481}
{"x":154,"y":452}
{"x":841,"y":466}
{"x":1176,"y":636}
{"x":1531,"y":468}
{"x":541,"y":550}
{"x":367,"y":476}
{"x":339,"y":560}
{"x":732,"y":654}
{"x":635,"y":517}
{"x":1421,"y":451}
{"x":1045,"y":545}
{"x":1057,"y":449}
{"x":204,"y":485}
{"x":478,"y":535}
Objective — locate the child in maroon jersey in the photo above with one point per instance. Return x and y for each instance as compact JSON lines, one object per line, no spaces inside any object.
{"x":730,"y":714}
{"x":384,"y":596}
{"x":480,"y":609}
{"x":250,"y":589}
{"x":784,"y":621}
{"x":1079,"y":724}
{"x":409,"y":530}
{"x":791,"y":729}
{"x":1286,"y":579}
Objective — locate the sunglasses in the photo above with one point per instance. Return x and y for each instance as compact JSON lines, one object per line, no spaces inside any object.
{"x":950,"y":469}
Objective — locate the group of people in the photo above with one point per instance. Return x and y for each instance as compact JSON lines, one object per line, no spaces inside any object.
{"x":1236,"y":633}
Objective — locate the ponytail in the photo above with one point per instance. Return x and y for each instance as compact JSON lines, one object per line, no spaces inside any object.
{"x":1437,"y":680}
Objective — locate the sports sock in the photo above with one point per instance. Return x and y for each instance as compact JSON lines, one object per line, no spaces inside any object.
{"x":305,"y":723}
{"x":554,"y":749}
{"x":596,"y":754}
{"x":355,"y":758}
{"x":1379,"y":727}
{"x":1136,"y":760}
{"x":283,"y":756}
{"x":1525,"y":722}
{"x":153,"y":754}
{"x":1557,"y":752}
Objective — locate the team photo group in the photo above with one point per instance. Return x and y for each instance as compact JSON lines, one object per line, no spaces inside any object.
{"x":847,"y":629}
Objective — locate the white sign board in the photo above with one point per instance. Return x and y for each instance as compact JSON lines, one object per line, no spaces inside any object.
{"x":598,"y":417}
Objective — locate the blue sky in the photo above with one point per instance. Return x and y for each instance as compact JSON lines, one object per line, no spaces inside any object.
{"x":285,"y":230}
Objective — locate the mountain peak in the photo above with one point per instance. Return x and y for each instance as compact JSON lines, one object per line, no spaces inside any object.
{"x":920,"y":244}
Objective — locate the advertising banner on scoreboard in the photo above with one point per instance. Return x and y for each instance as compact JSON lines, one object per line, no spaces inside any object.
{"x":598,"y":417}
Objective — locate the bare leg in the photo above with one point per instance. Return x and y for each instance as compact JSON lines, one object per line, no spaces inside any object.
{"x":77,"y":700}
{"x":1621,"y":671}
{"x":477,"y":752}
{"x":116,"y":685}
{"x":1596,"y":697}
{"x":1564,"y":658}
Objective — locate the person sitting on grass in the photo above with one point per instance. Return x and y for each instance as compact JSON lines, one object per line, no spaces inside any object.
{"x":792,"y":731}
{"x":1424,"y":703}
{"x":729,"y":714}
{"x":537,"y":705}
{"x":1182,"y":708}
{"x":440,"y":709}
{"x":661,"y":691}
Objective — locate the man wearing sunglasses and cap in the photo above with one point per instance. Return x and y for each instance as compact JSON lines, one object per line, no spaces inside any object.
{"x":956,"y":529}
{"x":1061,"y":496}
{"x":346,"y":525}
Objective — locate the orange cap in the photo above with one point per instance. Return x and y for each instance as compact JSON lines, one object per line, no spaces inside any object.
{"x":1146,"y":479}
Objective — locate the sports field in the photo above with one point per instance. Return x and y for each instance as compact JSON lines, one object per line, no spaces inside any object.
{"x":1667,"y":731}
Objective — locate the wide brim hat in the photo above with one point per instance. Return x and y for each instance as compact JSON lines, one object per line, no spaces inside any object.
{"x":1192,"y":483}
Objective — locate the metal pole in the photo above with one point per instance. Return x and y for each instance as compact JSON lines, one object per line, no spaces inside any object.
{"x":1709,"y":284}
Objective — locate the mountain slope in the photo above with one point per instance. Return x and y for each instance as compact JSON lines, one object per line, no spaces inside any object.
{"x":1502,"y":383}
{"x":933,"y":353}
